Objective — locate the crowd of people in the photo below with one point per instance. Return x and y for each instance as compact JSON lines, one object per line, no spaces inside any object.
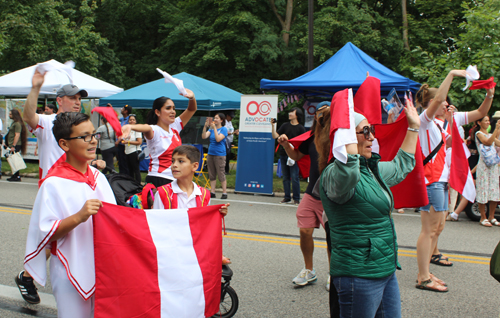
{"x":350,"y":198}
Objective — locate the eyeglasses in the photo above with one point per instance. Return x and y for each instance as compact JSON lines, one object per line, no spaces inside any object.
{"x":367,"y":130}
{"x":87,"y":138}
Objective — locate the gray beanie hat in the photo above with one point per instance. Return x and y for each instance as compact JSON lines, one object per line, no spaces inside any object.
{"x":357,"y":119}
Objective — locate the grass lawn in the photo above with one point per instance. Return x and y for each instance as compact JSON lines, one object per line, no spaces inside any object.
{"x":32,"y":167}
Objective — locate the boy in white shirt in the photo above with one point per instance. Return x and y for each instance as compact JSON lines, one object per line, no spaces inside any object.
{"x":65,"y":224}
{"x":183,"y":192}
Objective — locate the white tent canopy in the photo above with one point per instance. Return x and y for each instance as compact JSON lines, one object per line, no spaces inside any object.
{"x":18,"y":83}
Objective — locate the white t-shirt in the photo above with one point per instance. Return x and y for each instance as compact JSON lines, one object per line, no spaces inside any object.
{"x":161,"y":148}
{"x":183,"y":201}
{"x":132,"y":148}
{"x":49,"y":152}
{"x":230,"y":131}
{"x":430,"y":134}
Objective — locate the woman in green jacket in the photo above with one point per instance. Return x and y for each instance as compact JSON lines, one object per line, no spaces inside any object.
{"x":358,"y":203}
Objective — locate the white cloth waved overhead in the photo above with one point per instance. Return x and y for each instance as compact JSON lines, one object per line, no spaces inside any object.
{"x":66,"y":68}
{"x":345,"y":136}
{"x":177,"y":82}
{"x":472,"y":75}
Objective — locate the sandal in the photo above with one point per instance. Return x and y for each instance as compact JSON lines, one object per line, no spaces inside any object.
{"x":486,"y":223}
{"x":438,"y":259}
{"x":424,"y":285}
{"x":495,"y":222}
{"x":435,"y":279}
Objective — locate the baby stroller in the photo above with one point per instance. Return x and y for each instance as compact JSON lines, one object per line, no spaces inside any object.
{"x":123,"y":186}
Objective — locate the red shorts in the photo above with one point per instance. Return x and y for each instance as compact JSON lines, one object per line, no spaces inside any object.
{"x":309,"y":212}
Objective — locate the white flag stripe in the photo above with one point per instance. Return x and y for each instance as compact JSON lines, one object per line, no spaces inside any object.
{"x":179,"y":275}
{"x":345,"y":136}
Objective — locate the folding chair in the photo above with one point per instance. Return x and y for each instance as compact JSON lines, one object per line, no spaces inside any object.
{"x":200,"y":176}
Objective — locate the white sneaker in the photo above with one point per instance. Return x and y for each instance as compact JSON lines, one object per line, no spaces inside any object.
{"x":328,"y":284}
{"x":305,"y":277}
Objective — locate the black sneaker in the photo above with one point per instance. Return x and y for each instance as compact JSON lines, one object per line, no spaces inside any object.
{"x":27,"y":288}
{"x":223,"y":196}
{"x":212,"y":195}
{"x":286,"y":201}
{"x":14,"y":179}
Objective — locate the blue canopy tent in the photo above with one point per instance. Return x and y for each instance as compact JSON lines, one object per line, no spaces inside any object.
{"x":346,"y":69}
{"x":210,"y":96}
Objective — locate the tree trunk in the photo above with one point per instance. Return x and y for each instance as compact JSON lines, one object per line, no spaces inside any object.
{"x":286,"y":22}
{"x":405,"y":25}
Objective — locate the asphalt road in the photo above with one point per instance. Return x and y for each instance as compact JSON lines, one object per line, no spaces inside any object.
{"x":262,"y":242}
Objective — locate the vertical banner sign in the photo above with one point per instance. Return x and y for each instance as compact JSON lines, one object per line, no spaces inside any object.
{"x":254,"y":170}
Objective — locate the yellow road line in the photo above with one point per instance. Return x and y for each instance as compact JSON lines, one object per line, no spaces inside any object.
{"x":15,"y":211}
{"x":405,"y":253}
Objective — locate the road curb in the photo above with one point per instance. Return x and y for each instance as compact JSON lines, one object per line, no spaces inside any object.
{"x":46,"y":300}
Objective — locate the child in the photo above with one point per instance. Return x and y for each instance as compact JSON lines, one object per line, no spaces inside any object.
{"x":183,"y":192}
{"x":67,"y":197}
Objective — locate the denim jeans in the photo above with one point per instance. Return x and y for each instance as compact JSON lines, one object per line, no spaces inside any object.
{"x":360,"y":297}
{"x":292,"y":172}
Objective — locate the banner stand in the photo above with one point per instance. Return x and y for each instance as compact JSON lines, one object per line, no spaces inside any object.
{"x":254,"y":170}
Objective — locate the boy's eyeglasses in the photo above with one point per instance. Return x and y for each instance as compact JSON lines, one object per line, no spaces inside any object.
{"x":367,"y":130}
{"x":87,"y":138}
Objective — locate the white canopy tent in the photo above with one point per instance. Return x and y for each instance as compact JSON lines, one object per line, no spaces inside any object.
{"x":18,"y":83}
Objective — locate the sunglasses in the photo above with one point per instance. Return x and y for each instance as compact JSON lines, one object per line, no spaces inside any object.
{"x":87,"y":138}
{"x":367,"y":130}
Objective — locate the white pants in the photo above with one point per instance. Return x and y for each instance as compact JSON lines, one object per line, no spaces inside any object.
{"x":70,"y":304}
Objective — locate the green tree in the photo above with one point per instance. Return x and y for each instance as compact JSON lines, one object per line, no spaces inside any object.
{"x":476,"y":45}
{"x":36,"y":31}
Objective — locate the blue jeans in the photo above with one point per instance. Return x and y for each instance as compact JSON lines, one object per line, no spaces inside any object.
{"x":292,"y":172}
{"x":360,"y":297}
{"x":437,"y":193}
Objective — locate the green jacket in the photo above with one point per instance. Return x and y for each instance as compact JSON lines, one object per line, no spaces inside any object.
{"x":358,"y":204}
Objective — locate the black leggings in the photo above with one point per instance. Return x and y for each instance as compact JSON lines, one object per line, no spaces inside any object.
{"x":108,"y":156}
{"x":133,"y":166}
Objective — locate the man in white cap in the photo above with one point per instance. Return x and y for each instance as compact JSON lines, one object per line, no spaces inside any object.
{"x":49,"y":153}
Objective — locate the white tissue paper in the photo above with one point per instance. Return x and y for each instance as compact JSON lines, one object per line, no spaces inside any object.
{"x":177,"y":82}
{"x":472,"y":75}
{"x":66,"y":68}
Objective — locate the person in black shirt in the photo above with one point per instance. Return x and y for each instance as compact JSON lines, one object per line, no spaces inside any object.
{"x":310,"y":210}
{"x":290,"y":130}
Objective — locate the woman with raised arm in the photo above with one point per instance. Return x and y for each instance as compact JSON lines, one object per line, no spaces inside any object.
{"x":358,"y":203}
{"x":487,"y":186}
{"x":162,"y":136}
{"x":216,"y":158}
{"x":433,"y":141}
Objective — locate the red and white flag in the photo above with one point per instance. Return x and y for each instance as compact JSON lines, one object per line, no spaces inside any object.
{"x":157,"y":263}
{"x":342,"y":130}
{"x":460,"y":175}
{"x":305,"y":162}
{"x":411,"y":192}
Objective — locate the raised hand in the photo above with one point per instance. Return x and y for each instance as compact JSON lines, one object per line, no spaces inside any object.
{"x":412,"y":115}
{"x":38,"y":79}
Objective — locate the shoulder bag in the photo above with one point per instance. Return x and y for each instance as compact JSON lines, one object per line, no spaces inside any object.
{"x":488,"y":153}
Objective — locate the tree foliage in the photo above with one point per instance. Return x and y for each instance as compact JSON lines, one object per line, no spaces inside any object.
{"x":237,"y":43}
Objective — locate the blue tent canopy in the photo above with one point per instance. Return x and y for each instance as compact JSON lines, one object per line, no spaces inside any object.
{"x":209,"y":95}
{"x":346,"y":69}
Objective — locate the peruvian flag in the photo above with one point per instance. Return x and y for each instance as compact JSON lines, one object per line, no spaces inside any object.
{"x":112,"y":118}
{"x":157,"y":263}
{"x":367,"y":100}
{"x":305,"y":162}
{"x":460,"y":175}
{"x":411,"y":192}
{"x":342,"y":130}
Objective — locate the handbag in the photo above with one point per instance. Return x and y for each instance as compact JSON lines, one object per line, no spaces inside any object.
{"x":495,"y":263}
{"x":488,"y":153}
{"x":16,"y":162}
